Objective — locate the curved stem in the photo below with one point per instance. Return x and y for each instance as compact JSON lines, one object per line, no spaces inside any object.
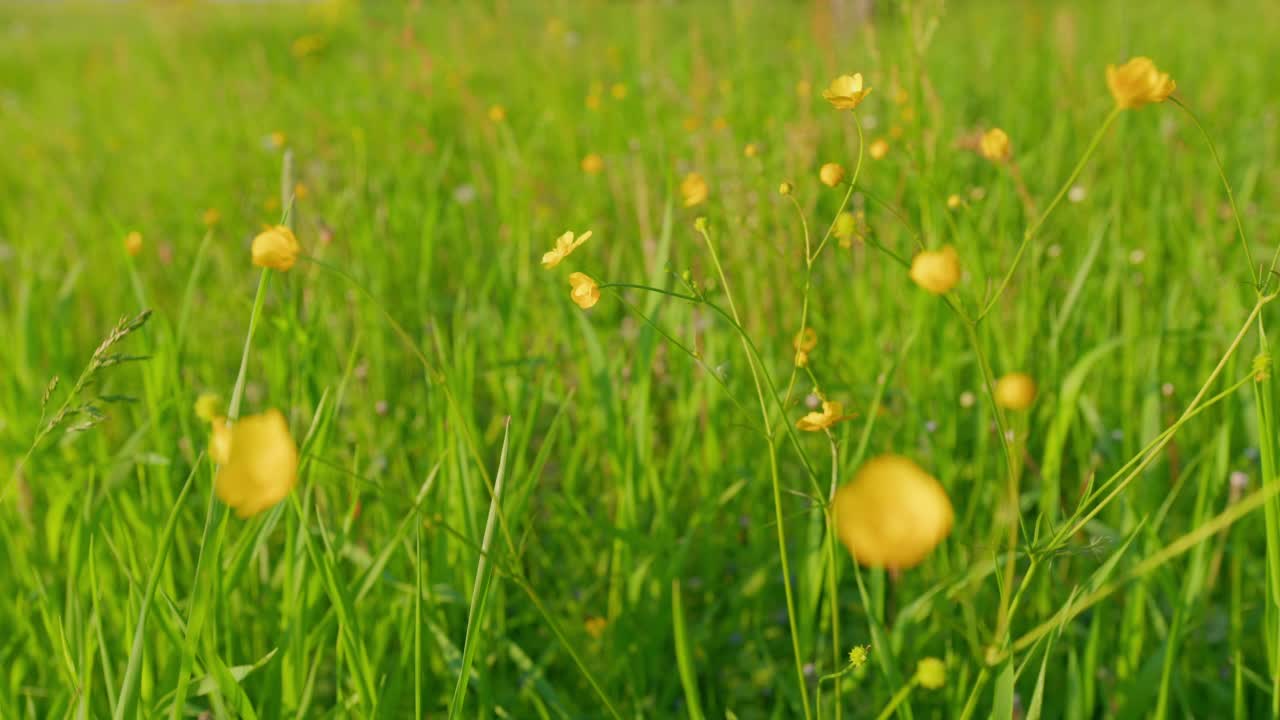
{"x":1222,"y":174}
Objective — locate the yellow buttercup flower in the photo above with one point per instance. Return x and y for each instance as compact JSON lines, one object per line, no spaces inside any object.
{"x":208,"y":406}
{"x":595,"y":626}
{"x":261,"y":464}
{"x":832,"y":413}
{"x":694,"y":189}
{"x":277,"y":139}
{"x":592,"y":164}
{"x":846,"y":92}
{"x":831,"y":174}
{"x":583,"y":290}
{"x":878,"y":149}
{"x":931,"y":673}
{"x":892,"y":514}
{"x":276,"y":248}
{"x":1015,"y":391}
{"x":618,"y":91}
{"x":1139,"y":82}
{"x":785,"y":188}
{"x":751,"y":150}
{"x":858,"y":655}
{"x":211,"y":217}
{"x":133,"y":243}
{"x":995,"y":145}
{"x":937,"y":271}
{"x":565,"y":244}
{"x":497,"y":113}
{"x":300,"y":191}
{"x":804,"y":343}
{"x":954,"y":201}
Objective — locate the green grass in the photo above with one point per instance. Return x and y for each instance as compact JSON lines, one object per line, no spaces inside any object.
{"x":512,"y":508}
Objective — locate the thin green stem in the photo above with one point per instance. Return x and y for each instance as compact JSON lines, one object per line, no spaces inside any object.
{"x":233,"y":410}
{"x":1035,"y":227}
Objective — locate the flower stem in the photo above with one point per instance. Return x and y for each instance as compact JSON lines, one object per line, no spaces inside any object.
{"x":233,"y":410}
{"x":1035,"y":227}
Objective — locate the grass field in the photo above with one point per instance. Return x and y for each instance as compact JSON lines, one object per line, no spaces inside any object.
{"x":507,"y":506}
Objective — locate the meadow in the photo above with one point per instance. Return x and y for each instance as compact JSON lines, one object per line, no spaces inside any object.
{"x":310,"y":408}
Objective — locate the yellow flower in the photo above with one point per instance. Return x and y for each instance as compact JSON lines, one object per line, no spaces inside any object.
{"x":954,"y":201}
{"x":277,"y":139}
{"x":592,"y":164}
{"x":846,"y":92}
{"x":133,"y":243}
{"x":804,"y":343}
{"x":785,"y":188}
{"x":751,"y":150}
{"x":878,"y":149}
{"x":208,"y":406}
{"x":1139,"y":82}
{"x":892,"y":514}
{"x":693,"y":189}
{"x":219,"y":440}
{"x":565,"y":244}
{"x":595,"y":626}
{"x":497,"y":113}
{"x":211,"y":217}
{"x":832,"y":413}
{"x":276,"y":248}
{"x":619,"y":91}
{"x":719,"y":124}
{"x":1015,"y":391}
{"x":995,"y":145}
{"x":583,"y":290}
{"x":936,"y":270}
{"x":831,"y":174}
{"x":931,"y":673}
{"x":300,"y":191}
{"x":261,"y":464}
{"x":858,"y":655}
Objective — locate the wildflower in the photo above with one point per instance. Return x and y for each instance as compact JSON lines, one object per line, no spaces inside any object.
{"x":846,"y":92}
{"x":261,"y":463}
{"x":497,"y":113}
{"x":1015,"y":391}
{"x":804,"y":343}
{"x":133,"y":243}
{"x":931,"y":673}
{"x":208,"y":406}
{"x":785,"y":188}
{"x":858,"y":656}
{"x":1138,"y":82}
{"x":276,"y":248}
{"x":954,"y":201}
{"x":937,"y":271}
{"x":831,"y":174}
{"x":583,"y":290}
{"x":832,"y":413}
{"x":565,"y":244}
{"x":300,"y":191}
{"x":618,"y":91}
{"x":693,"y":189}
{"x":277,"y":139}
{"x":211,"y":217}
{"x":892,"y":514}
{"x":595,"y":626}
{"x":878,"y":149}
{"x":592,"y":164}
{"x":751,"y":150}
{"x":994,"y":145}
